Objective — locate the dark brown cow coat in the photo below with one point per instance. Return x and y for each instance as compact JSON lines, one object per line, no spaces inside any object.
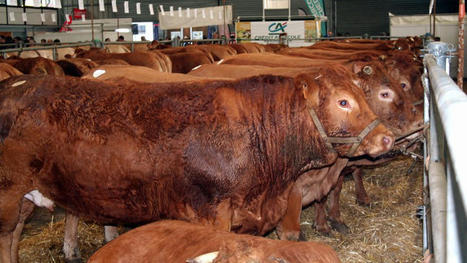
{"x":221,"y":153}
{"x":36,"y":66}
{"x":177,"y":242}
{"x":76,"y":66}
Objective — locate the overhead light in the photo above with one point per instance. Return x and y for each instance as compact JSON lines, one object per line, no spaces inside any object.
{"x":122,"y":30}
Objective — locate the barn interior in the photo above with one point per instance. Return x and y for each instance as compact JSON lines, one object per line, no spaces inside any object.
{"x":416,"y":201}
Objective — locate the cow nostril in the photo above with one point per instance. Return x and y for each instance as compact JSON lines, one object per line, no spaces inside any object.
{"x":387,"y":140}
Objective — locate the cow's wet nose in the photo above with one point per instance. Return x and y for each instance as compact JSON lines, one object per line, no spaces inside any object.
{"x":387,"y":142}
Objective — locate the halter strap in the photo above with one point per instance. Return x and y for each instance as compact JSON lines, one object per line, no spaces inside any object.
{"x":417,"y":103}
{"x":355,"y":141}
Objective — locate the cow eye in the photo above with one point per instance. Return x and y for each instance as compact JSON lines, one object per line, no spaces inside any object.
{"x":386,"y":95}
{"x":344,"y":103}
{"x":404,"y":86}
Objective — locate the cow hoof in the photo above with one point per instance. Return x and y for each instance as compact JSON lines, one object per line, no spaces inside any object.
{"x":73,"y":260}
{"x":339,"y":227}
{"x":301,"y":237}
{"x":324,"y":231}
{"x":365,"y":201}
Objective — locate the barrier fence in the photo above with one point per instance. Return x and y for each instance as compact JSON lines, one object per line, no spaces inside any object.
{"x":445,"y":161}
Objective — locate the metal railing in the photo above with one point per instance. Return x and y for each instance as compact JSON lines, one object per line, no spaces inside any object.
{"x":446,"y":161}
{"x":4,"y":52}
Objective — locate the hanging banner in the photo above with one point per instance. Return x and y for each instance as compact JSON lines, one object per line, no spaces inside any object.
{"x":114,"y":6}
{"x":101,"y":6}
{"x":53,"y":17}
{"x":25,"y":17}
{"x":316,"y":8}
{"x":138,"y":8}
{"x":37,"y":3}
{"x":151,"y":9}
{"x":78,"y":13}
{"x":267,"y":32}
{"x":126,"y":8}
{"x":206,"y":18}
{"x":276,"y":4}
{"x":83,"y":17}
{"x":81,"y":4}
{"x":42,"y":17}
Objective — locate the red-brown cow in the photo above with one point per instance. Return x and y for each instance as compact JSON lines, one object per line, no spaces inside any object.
{"x":7,"y":71}
{"x":76,"y":66}
{"x":385,"y":97}
{"x":180,"y":242}
{"x":223,"y":153}
{"x":153,"y":59}
{"x":184,"y":62}
{"x":36,"y":66}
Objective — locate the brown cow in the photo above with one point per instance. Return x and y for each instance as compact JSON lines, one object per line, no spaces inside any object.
{"x":76,"y":66}
{"x":224,"y":153}
{"x":180,"y":242}
{"x":7,"y":71}
{"x":218,"y":52}
{"x":135,"y":73}
{"x":184,"y":62}
{"x":36,"y":66}
{"x":153,"y":59}
{"x":386,"y":98}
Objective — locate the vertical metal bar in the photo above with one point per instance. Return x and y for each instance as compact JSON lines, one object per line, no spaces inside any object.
{"x":426,"y":199}
{"x":453,"y":252}
{"x":460,"y":47}
{"x":92,"y":20}
{"x":54,"y":53}
{"x":289,"y":8}
{"x":434,"y":18}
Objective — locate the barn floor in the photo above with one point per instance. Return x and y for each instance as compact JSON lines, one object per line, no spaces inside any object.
{"x":386,"y":231}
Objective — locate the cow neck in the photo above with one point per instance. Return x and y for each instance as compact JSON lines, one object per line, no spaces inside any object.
{"x":355,"y":141}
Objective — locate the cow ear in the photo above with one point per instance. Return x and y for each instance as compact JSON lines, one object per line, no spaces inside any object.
{"x":357,"y":67}
{"x":310,"y":91}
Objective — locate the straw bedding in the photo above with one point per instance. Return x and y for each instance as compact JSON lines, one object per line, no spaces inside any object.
{"x":387,"y":231}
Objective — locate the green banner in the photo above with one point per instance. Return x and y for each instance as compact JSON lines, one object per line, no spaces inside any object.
{"x":317,"y":9}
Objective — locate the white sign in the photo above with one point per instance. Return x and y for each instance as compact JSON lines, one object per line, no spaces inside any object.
{"x":151,"y":9}
{"x":211,"y":14}
{"x":53,"y":16}
{"x":126,"y":8}
{"x":83,"y":17}
{"x":101,"y":6}
{"x":162,"y":9}
{"x":80,"y":4}
{"x":58,"y":4}
{"x":25,"y":17}
{"x":188,"y":12}
{"x":114,"y":6}
{"x":276,"y":4}
{"x":37,"y":3}
{"x":42,"y":17}
{"x":12,"y":16}
{"x":179,"y":12}
{"x":262,"y":32}
{"x":171,"y":11}
{"x":138,"y":8}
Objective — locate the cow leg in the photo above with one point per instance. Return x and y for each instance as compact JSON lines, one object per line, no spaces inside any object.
{"x":110,"y":233}
{"x":289,"y":227}
{"x":10,"y":206}
{"x":334,"y":213}
{"x":321,"y":224}
{"x":70,"y":242}
{"x":360,"y":192}
{"x":27,"y":207}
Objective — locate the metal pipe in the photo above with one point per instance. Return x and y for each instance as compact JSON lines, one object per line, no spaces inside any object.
{"x":437,"y":182}
{"x":460,"y":46}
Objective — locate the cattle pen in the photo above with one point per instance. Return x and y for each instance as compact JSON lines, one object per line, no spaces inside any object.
{"x":295,"y":125}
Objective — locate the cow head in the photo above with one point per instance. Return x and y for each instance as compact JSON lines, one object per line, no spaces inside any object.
{"x":387,"y":97}
{"x":343,"y":112}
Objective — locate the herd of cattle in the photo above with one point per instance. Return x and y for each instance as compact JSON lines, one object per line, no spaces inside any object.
{"x":233,"y":138}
